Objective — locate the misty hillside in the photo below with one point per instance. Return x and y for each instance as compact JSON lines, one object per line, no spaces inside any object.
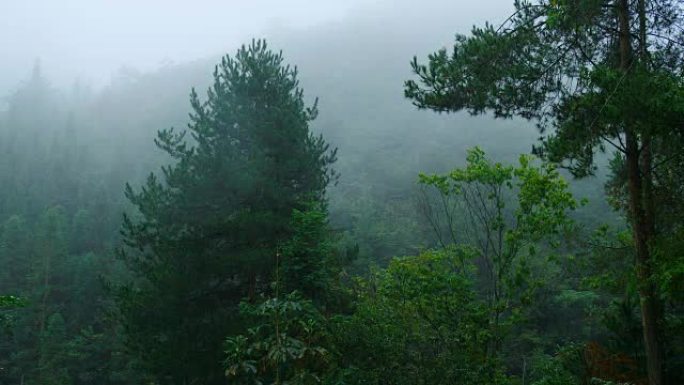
{"x":200,"y":222}
{"x":356,"y":70}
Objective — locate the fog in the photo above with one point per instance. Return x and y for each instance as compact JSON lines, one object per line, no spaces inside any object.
{"x":124,"y":275}
{"x":120,"y":71}
{"x":90,"y":40}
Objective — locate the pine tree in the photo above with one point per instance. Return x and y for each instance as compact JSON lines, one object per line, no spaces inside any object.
{"x":209,"y":227}
{"x":593,"y":74}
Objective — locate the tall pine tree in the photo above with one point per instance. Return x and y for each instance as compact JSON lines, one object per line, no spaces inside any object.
{"x":209,"y":227}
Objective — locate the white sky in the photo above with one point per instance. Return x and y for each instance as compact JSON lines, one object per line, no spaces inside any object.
{"x":91,"y":39}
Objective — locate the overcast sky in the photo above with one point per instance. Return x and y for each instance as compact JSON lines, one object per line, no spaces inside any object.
{"x":91,"y":39}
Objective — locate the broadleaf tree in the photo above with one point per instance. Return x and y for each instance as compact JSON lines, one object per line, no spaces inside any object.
{"x":513,"y":218}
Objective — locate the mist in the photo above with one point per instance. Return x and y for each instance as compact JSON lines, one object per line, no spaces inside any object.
{"x":130,"y":253}
{"x":132,"y":81}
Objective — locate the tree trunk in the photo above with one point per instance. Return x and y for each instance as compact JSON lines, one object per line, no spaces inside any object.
{"x":643,"y":235}
{"x":640,"y":206}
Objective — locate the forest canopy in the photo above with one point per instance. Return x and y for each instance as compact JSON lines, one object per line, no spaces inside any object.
{"x":297,"y":219}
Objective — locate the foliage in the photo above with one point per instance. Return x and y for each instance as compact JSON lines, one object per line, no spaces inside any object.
{"x":209,"y":229}
{"x":508,"y":241}
{"x":505,"y":293}
{"x":420,"y":322}
{"x":551,"y":371}
{"x":592,"y":74}
{"x":7,"y":302}
{"x":556,"y":62}
{"x":287,"y":344}
{"x":309,"y":259}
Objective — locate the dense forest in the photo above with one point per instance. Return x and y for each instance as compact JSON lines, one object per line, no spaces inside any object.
{"x":358,"y":208}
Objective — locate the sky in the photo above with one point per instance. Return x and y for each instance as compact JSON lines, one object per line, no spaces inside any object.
{"x":89,"y":40}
